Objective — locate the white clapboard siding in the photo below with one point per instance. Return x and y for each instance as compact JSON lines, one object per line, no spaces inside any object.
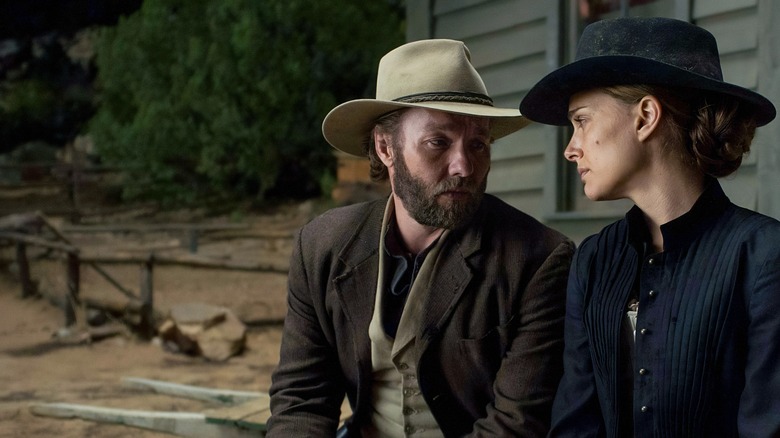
{"x":507,"y":40}
{"x":734,"y":23}
{"x":513,"y":45}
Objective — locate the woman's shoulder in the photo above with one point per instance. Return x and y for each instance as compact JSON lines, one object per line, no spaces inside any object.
{"x":744,"y":223}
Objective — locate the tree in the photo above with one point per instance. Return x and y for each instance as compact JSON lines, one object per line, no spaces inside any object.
{"x":205,"y":99}
{"x":44,"y":95}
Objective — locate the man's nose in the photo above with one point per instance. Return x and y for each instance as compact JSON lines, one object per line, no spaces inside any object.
{"x":461,"y":162}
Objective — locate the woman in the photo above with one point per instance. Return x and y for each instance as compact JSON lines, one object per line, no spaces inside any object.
{"x":673,"y":312}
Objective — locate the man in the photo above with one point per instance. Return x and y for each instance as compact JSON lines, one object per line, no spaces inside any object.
{"x":438,"y":312}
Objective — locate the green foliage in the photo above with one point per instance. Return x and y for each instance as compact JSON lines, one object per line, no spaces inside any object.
{"x":213,"y":99}
{"x":44,"y":96}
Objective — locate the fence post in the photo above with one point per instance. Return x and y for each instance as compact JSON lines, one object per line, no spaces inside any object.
{"x":74,"y":281}
{"x":28,"y":289}
{"x":146,"y":326}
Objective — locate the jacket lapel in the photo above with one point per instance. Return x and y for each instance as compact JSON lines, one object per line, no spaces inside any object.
{"x":451,"y":275}
{"x":355,"y":282}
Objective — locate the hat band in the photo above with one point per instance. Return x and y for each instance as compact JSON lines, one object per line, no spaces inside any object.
{"x":452,"y":96}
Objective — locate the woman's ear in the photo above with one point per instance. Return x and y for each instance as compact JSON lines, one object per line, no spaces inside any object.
{"x":648,"y":117}
{"x":382,"y":145}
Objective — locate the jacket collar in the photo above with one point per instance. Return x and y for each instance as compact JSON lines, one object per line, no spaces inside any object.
{"x":356,"y":278}
{"x":682,"y":231}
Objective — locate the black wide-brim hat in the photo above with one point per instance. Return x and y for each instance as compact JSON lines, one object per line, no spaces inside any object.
{"x":632,"y":51}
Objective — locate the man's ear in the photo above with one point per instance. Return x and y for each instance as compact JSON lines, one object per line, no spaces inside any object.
{"x":648,"y":117}
{"x":382,"y":145}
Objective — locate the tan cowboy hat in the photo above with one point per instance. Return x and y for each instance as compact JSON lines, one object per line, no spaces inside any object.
{"x":435,"y":74}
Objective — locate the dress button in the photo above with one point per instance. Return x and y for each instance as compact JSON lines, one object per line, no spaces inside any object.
{"x":643,"y":371}
{"x":643,"y":331}
{"x":403,"y":366}
{"x":644,"y":409}
{"x":409,"y":411}
{"x":407,"y":392}
{"x":652,"y":293}
{"x":651,"y":261}
{"x":409,"y":429}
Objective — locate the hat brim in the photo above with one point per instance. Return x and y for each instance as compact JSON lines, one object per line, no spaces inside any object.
{"x":548,"y":101}
{"x":347,"y":126}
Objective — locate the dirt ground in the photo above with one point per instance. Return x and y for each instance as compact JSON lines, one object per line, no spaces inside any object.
{"x":37,"y":366}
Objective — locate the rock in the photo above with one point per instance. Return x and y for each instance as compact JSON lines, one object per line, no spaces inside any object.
{"x":202,"y":329}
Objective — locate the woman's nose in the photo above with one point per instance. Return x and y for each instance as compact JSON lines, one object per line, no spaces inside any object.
{"x":572,"y":151}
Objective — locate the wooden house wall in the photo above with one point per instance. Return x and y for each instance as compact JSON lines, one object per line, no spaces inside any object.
{"x":516,"y":42}
{"x":508,"y":44}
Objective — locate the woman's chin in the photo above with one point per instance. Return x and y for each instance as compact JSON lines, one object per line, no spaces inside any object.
{"x":595,"y":195}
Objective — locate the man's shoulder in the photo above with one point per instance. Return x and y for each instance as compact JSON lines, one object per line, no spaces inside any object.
{"x":345,"y":218}
{"x":509,"y":219}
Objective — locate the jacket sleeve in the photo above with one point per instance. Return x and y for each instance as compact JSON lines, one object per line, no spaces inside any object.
{"x":531,"y":368}
{"x":759,"y":405}
{"x":306,"y":390}
{"x":576,"y":411}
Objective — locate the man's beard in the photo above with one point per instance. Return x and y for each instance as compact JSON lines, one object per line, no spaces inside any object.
{"x":420,"y":199}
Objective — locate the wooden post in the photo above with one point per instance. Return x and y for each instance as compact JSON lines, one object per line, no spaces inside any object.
{"x":192,"y":240}
{"x":146,"y":326}
{"x":74,"y":280}
{"x":73,"y":192}
{"x":28,"y":289}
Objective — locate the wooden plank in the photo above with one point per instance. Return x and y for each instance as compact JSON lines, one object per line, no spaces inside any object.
{"x":526,"y":143}
{"x":252,"y":413}
{"x":223,"y":396}
{"x":418,"y":20}
{"x":515,"y":76}
{"x":735,"y":32}
{"x":193,"y":260}
{"x":517,"y":174}
{"x":508,"y":44}
{"x":185,"y":424}
{"x":742,"y":187}
{"x":21,"y":221}
{"x":488,"y":18}
{"x":767,"y":146}
{"x":446,"y":6}
{"x":134,"y":227}
{"x":37,"y":241}
{"x":740,"y":69}
{"x":255,"y":413}
{"x":704,"y":8}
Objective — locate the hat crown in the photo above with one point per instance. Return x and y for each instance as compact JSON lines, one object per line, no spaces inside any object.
{"x":428,"y":67}
{"x":673,"y":42}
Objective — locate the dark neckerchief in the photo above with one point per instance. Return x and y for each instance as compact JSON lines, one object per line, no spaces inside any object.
{"x":401,"y":269}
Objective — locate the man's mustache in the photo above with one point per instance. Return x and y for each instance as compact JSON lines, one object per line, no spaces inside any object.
{"x":456,"y":182}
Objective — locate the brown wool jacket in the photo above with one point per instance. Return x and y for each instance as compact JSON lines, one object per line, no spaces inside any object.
{"x":490,"y":347}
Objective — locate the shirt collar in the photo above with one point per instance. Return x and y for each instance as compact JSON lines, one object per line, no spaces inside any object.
{"x":680,"y":232}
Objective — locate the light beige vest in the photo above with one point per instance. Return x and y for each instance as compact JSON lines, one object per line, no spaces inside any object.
{"x":398,"y":407}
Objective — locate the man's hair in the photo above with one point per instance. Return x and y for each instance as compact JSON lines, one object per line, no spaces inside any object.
{"x":389,"y":123}
{"x":716,"y":130}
